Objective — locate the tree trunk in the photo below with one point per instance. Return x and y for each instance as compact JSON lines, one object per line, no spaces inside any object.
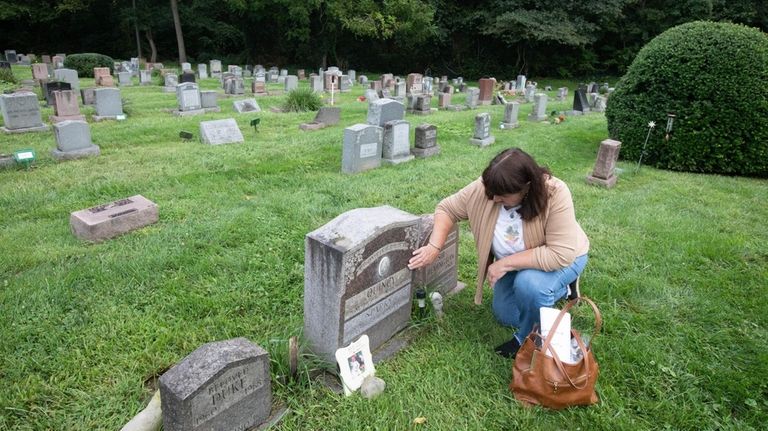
{"x":152,"y":47}
{"x":136,"y":30}
{"x":179,"y":35}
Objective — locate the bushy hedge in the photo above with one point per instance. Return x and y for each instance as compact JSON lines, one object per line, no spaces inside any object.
{"x":84,"y":63}
{"x":302,"y":99}
{"x":6,"y":75}
{"x":714,"y":78}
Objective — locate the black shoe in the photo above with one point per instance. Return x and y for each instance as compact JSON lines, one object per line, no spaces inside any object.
{"x":508,"y":349}
{"x":573,"y":290}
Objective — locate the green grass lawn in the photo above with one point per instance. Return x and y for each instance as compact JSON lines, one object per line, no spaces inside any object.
{"x":678,"y":266}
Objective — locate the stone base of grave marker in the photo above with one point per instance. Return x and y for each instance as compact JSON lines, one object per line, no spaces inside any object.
{"x":212,"y":109}
{"x":43,"y":128}
{"x":91,"y":151}
{"x":190,"y":113}
{"x":573,"y":113}
{"x":509,"y":125}
{"x":421,"y":153}
{"x":169,"y":89}
{"x":602,"y":182}
{"x":533,"y":117}
{"x":312,"y":126}
{"x":456,"y":107}
{"x":60,"y":118}
{"x":397,"y":161}
{"x":482,"y":142}
{"x":113,"y":219}
{"x":98,"y":118}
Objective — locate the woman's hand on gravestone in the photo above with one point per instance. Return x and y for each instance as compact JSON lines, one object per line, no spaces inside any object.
{"x":423,"y":256}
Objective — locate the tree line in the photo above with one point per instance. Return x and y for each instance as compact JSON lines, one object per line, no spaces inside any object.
{"x":456,"y":37}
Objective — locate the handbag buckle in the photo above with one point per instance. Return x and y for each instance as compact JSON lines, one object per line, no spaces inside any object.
{"x":555,"y":390}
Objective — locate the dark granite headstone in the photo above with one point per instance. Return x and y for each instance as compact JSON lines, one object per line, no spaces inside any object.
{"x":425,"y":141}
{"x":5,"y":65}
{"x":224,"y":385}
{"x":356,"y":278}
{"x":580,"y":100}
{"x":187,"y":77}
{"x":50,"y":87}
{"x":442,"y":275}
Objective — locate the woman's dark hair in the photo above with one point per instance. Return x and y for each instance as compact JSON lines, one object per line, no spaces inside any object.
{"x":511,"y":171}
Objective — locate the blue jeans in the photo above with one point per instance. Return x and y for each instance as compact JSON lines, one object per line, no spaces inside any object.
{"x":518,"y":295}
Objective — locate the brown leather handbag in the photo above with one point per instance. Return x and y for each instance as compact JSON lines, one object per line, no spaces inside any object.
{"x":538,"y":378}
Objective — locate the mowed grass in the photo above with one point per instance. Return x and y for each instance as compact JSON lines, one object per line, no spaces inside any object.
{"x":678,"y":265}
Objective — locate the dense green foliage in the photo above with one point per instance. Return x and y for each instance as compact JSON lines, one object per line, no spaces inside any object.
{"x":84,"y":63}
{"x":455,"y":37}
{"x":678,"y":265}
{"x":302,"y":100}
{"x":714,"y":78}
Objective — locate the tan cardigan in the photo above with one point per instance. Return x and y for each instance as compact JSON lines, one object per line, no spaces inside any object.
{"x":555,"y":236}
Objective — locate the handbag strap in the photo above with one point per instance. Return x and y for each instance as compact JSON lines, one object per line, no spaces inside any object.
{"x":579,"y":341}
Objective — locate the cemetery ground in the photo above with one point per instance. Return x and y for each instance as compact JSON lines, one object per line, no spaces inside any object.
{"x":678,"y":266}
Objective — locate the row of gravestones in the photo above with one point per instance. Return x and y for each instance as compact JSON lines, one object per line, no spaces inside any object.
{"x":385,"y":139}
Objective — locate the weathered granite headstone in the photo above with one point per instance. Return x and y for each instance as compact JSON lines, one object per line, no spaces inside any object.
{"x":482,"y":136}
{"x":600,"y":104}
{"x":259,"y":85}
{"x":473,"y":96}
{"x":356,"y":279}
{"x":215,"y":68}
{"x":604,"y":173}
{"x":21,"y":113}
{"x":219,"y":132}
{"x":208,"y":100}
{"x":189,"y":100}
{"x":363,"y":80}
{"x":202,"y":71}
{"x":88,"y":95}
{"x":562,"y":93}
{"x":69,"y":76}
{"x":415,"y":83}
{"x":422,"y":105}
{"x":442,"y":275}
{"x":291,"y":83}
{"x":109,"y":105}
{"x":10,"y":56}
{"x":73,"y":141}
{"x":234,"y":86}
{"x":316,"y":83}
{"x":344,"y":84}
{"x":383,"y":110}
{"x":511,"y":111}
{"x":103,"y":77}
{"x":371,"y":95}
{"x":124,"y":79}
{"x":58,"y":61}
{"x":486,"y":90}
{"x":539,"y":112}
{"x":302,"y":74}
{"x":362,"y":148}
{"x":223,"y":385}
{"x":145,"y":77}
{"x":185,"y":67}
{"x":326,"y":116}
{"x":425,"y":144}
{"x":530,"y":93}
{"x":443,"y":100}
{"x":352,"y":74}
{"x":247,"y":105}
{"x":40,"y":72}
{"x":520,"y":82}
{"x":396,"y":147}
{"x":48,"y":88}
{"x":65,"y":106}
{"x":170,"y":82}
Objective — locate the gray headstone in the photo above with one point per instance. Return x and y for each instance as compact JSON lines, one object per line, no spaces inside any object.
{"x":600,"y":104}
{"x":425,"y":144}
{"x":328,"y":115}
{"x":520,"y":83}
{"x":356,"y":279}
{"x":202,"y":71}
{"x":234,"y":86}
{"x":384,"y":110}
{"x":108,"y":102}
{"x":291,"y":83}
{"x":363,"y":80}
{"x":482,"y":136}
{"x":344,"y":83}
{"x":316,"y":82}
{"x":171,"y":81}
{"x":539,"y":108}
{"x":371,"y":95}
{"x":185,"y":67}
{"x":188,"y":97}
{"x":361,"y":148}
{"x":562,"y":93}
{"x":352,"y":74}
{"x":224,"y":385}
{"x":124,"y":78}
{"x":511,"y":112}
{"x":422,"y":105}
{"x":21,"y":112}
{"x":114,"y":218}
{"x":396,"y":147}
{"x":208,"y":99}
{"x":530,"y":93}
{"x":247,"y":105}
{"x":473,"y":97}
{"x":145,"y":77}
{"x":219,"y":132}
{"x":73,"y":140}
{"x":215,"y":68}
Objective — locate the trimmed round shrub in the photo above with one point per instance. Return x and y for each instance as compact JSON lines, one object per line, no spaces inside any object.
{"x":714,"y":78}
{"x":302,"y":99}
{"x":84,"y":63}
